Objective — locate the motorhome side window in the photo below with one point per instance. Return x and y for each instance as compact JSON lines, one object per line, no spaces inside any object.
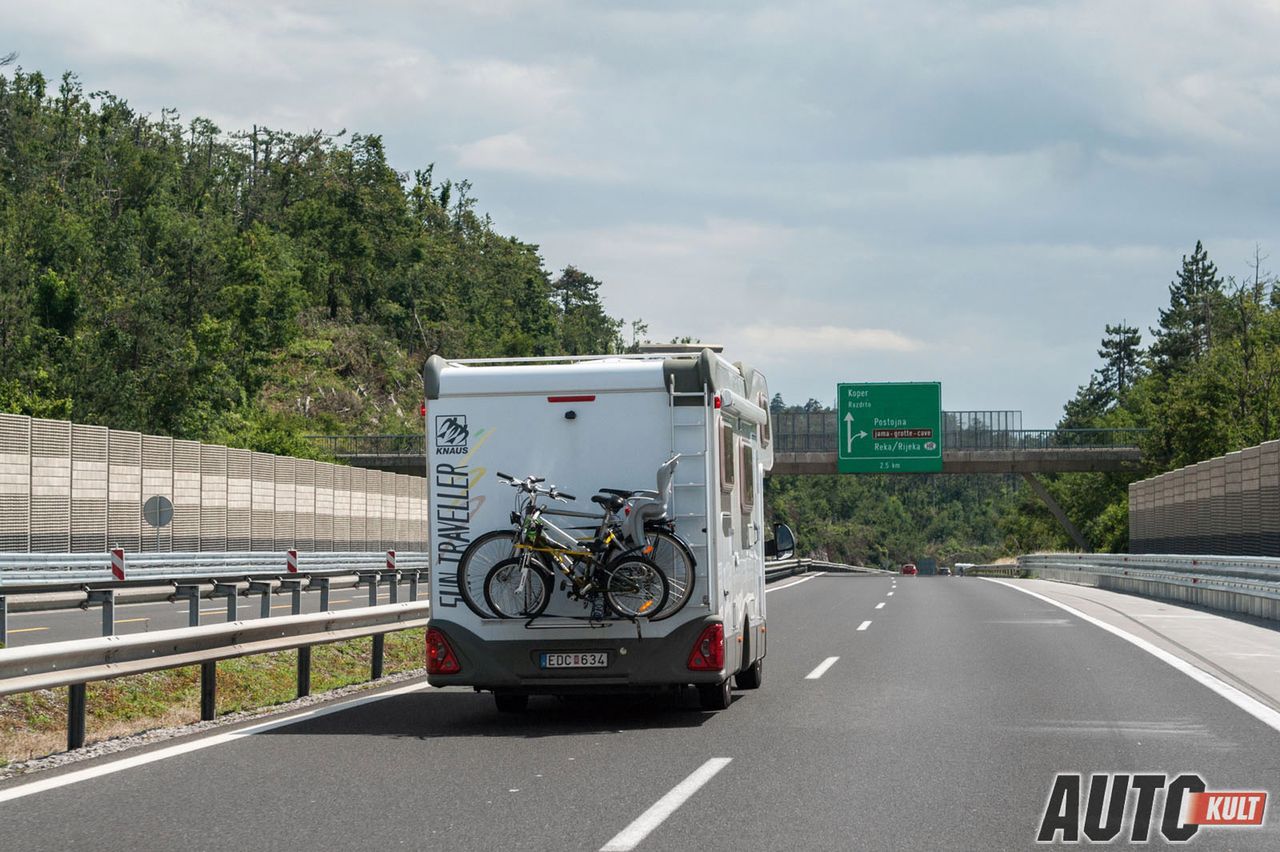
{"x":747,"y":492}
{"x":766,"y":431}
{"x":727,"y":459}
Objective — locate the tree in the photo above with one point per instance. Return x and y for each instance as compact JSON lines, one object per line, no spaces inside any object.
{"x":1187,"y":326}
{"x":585,"y":328}
{"x":1120,"y":353}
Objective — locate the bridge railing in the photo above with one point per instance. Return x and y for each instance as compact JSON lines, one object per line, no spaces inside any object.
{"x":388,"y":446}
{"x":816,"y":432}
{"x":796,"y":432}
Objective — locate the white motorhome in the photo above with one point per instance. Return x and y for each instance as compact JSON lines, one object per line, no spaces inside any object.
{"x":585,"y":424}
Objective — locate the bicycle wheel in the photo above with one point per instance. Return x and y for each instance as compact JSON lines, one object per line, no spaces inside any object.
{"x":675,"y":559}
{"x":476,"y":563}
{"x":519,"y":587}
{"x":635,"y":587}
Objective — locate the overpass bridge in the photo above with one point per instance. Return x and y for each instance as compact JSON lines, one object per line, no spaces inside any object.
{"x":805,"y":444}
{"x":974,"y":442}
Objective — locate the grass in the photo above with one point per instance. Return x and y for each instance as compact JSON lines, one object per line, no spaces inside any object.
{"x":34,"y":724}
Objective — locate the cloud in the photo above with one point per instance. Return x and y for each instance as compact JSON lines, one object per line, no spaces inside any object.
{"x":513,"y":152}
{"x":829,"y":340}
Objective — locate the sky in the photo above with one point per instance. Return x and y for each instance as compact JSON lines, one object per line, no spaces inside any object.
{"x":924,"y":190}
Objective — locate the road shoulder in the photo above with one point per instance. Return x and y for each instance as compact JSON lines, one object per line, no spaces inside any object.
{"x":1243,"y":653}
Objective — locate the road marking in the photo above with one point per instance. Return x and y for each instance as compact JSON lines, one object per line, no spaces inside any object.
{"x":629,"y":838}
{"x":821,"y":669}
{"x":796,"y":583}
{"x":34,"y":787}
{"x":1245,"y":702}
{"x":26,"y":629}
{"x":130,"y":620}
{"x":889,"y":595}
{"x":880,"y":605}
{"x":864,"y":625}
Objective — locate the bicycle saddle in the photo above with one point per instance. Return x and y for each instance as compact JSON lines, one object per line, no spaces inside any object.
{"x":611,"y":502}
{"x":617,"y":491}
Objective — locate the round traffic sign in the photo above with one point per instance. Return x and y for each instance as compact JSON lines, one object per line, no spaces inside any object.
{"x":157,"y":511}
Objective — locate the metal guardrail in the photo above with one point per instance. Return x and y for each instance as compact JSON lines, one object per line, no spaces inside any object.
{"x":781,"y":568}
{"x":31,"y":571}
{"x":1231,"y":584}
{"x":1001,"y":570}
{"x":75,"y":663}
{"x":1260,"y":569}
{"x":80,"y":581}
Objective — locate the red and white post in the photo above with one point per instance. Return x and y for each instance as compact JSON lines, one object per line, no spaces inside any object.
{"x":291,"y":561}
{"x":117,"y":562}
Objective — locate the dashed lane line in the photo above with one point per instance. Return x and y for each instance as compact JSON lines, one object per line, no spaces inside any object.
{"x":631,"y":836}
{"x":880,"y":605}
{"x":864,"y":625}
{"x":821,"y":668}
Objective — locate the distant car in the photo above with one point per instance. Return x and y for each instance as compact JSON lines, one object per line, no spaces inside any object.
{"x":909,"y":569}
{"x":944,"y":572}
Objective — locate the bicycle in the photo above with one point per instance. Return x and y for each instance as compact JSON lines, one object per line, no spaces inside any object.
{"x":631,"y":513}
{"x":519,"y":586}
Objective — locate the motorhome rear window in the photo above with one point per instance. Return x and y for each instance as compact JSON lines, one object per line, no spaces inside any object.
{"x":727,"y":458}
{"x":748,"y":477}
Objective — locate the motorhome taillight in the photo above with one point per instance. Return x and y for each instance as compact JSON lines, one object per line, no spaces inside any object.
{"x":422,"y":410}
{"x":708,"y":651}
{"x":440,"y":657}
{"x":718,"y":402}
{"x":582,"y":398}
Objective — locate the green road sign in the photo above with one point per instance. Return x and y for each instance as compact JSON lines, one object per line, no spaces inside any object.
{"x":890,"y":428}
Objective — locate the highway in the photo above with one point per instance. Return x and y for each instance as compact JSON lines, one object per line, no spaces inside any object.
{"x":910,"y":713}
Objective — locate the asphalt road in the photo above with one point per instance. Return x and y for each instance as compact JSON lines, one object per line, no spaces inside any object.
{"x":941,"y":725}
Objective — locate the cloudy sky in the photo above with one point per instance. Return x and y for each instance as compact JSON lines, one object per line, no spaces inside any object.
{"x":837,"y":191}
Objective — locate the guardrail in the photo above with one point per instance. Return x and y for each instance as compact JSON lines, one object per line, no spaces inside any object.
{"x":74,"y":664}
{"x":781,"y":568}
{"x":1001,"y":570}
{"x":31,"y":582}
{"x":1250,"y":586}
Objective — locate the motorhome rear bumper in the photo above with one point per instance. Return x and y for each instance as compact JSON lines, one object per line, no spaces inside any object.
{"x":634,"y":664}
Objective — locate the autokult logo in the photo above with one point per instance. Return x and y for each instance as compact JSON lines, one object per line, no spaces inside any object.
{"x":1175,"y":806}
{"x":451,"y":435}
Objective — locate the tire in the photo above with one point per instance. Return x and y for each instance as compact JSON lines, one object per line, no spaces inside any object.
{"x":510,"y":702}
{"x":751,"y":676}
{"x":715,"y":696}
{"x":676,"y":561}
{"x":476,"y":563}
{"x":635,"y":587}
{"x":519,"y":587}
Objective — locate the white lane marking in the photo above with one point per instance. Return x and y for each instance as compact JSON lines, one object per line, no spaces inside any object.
{"x":629,"y":838}
{"x":195,"y":745}
{"x":864,"y":625}
{"x":880,"y":605}
{"x":796,"y":583}
{"x":821,"y":669}
{"x":1244,"y":701}
{"x":889,"y":595}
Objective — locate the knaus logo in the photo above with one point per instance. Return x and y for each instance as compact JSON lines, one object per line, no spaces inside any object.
{"x":1117,"y":802}
{"x":451,"y":434}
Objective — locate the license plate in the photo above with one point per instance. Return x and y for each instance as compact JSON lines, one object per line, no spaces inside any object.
{"x":575,"y":660}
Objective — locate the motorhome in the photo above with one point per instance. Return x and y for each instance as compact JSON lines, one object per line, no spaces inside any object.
{"x":586,"y":424}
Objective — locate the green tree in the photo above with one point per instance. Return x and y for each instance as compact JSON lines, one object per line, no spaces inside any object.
{"x":1186,"y":330}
